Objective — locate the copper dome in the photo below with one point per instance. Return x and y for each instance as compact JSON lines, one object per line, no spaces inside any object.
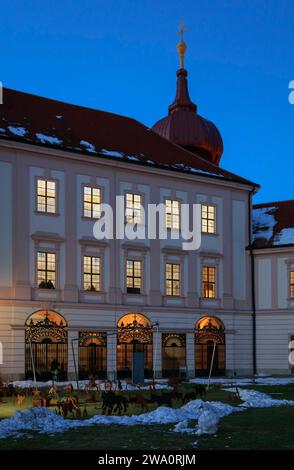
{"x":183,"y":126}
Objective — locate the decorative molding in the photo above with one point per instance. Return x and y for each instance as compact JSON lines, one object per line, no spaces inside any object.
{"x":47,"y":237}
{"x":135,"y":247}
{"x":91,"y":241}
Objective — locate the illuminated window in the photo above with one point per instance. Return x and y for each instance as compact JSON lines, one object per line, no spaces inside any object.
{"x":172,"y":214}
{"x":208,"y":282}
{"x":208,"y":218}
{"x":133,"y":276}
{"x":133,"y":208}
{"x":46,"y":270}
{"x":92,"y":202}
{"x":46,"y":196}
{"x":172,"y":279}
{"x":291,"y":284}
{"x":91,"y":274}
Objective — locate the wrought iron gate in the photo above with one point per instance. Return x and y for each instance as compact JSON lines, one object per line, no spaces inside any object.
{"x":173,"y":354}
{"x":92,"y":355}
{"x":46,"y":341}
{"x":134,"y":337}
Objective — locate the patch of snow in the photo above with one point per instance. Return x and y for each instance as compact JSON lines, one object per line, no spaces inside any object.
{"x":258,"y":380}
{"x":48,"y":139}
{"x":133,"y":157}
{"x":208,"y":421}
{"x":88,"y":146}
{"x":263,"y":222}
{"x":162,"y":385}
{"x":285,"y":237}
{"x":255,"y":399}
{"x":112,"y":153}
{"x":59,"y":116}
{"x":19,"y":131}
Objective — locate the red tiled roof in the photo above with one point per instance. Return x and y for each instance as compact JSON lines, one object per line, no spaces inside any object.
{"x":41,"y":121}
{"x":273,"y":224}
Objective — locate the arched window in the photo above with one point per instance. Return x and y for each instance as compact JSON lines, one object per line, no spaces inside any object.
{"x":210,"y":346}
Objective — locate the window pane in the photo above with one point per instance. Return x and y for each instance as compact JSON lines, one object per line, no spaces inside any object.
{"x":51,"y":186}
{"x":41,"y":204}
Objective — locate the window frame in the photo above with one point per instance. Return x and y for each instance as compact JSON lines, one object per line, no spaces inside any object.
{"x":136,"y":290}
{"x":207,"y":219}
{"x":173,"y":200}
{"x":205,"y":284}
{"x":91,"y":273}
{"x":91,"y":186}
{"x":46,"y":252}
{"x":172,"y":280}
{"x":291,"y":284}
{"x":131,"y":193}
{"x":56,"y":196}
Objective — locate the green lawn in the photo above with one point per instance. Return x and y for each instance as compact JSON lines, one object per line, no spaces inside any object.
{"x":262,"y":429}
{"x":271,"y":428}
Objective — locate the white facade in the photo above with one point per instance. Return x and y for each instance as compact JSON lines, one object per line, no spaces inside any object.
{"x":24,"y":232}
{"x":275,"y":309}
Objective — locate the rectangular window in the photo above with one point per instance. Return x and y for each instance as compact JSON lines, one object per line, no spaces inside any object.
{"x":133,"y":276}
{"x":172,"y":279}
{"x":91,"y":274}
{"x":172,"y":214}
{"x":208,"y":213}
{"x":208,"y":282}
{"x":291,"y":284}
{"x":92,"y":202}
{"x":133,"y":208}
{"x":46,"y":270}
{"x":46,"y":196}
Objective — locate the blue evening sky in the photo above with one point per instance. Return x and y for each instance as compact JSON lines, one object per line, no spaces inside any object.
{"x":120,"y":56}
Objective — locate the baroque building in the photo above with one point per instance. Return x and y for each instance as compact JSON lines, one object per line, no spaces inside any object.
{"x":77,"y":305}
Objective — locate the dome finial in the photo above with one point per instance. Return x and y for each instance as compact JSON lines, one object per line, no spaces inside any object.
{"x":181,"y":47}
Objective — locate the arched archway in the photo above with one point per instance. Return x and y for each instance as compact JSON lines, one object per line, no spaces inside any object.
{"x":46,"y":342}
{"x":173,"y":354}
{"x":92,"y":354}
{"x":134,"y":334}
{"x":209,"y":337}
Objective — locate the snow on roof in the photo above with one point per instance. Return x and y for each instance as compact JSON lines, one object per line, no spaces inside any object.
{"x":48,"y":139}
{"x":273,"y":224}
{"x":19,"y":131}
{"x":41,"y":121}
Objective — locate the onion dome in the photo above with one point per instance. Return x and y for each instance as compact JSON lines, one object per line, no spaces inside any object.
{"x":183,"y":126}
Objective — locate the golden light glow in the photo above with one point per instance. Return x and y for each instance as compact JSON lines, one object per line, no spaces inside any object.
{"x":209,"y":320}
{"x":129,"y":318}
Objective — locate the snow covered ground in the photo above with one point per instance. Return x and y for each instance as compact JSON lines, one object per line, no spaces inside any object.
{"x":207,"y":414}
{"x":160,"y":384}
{"x":242,"y":382}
